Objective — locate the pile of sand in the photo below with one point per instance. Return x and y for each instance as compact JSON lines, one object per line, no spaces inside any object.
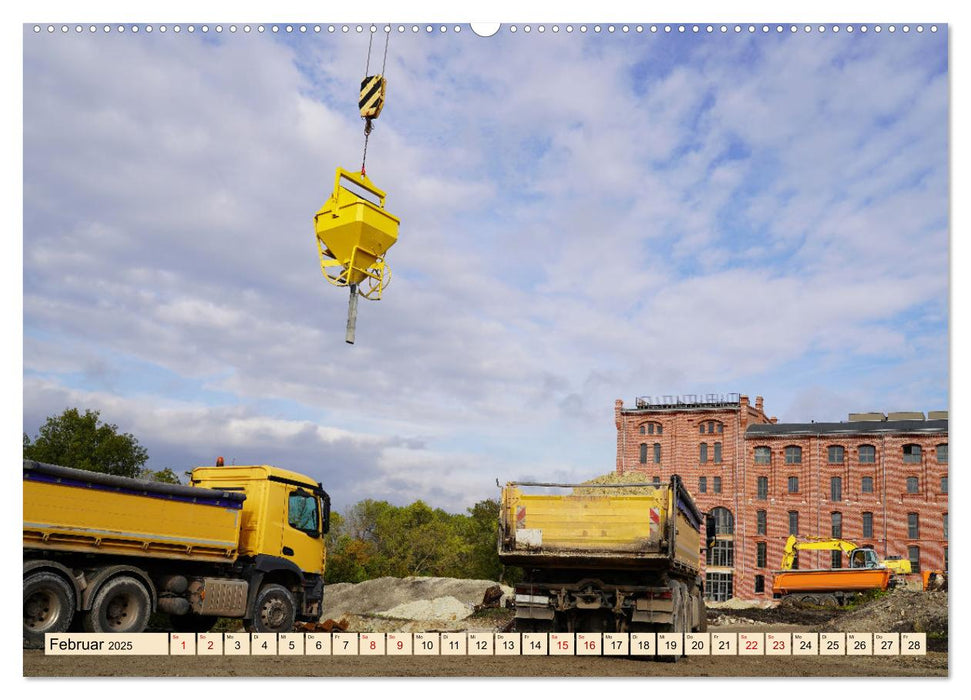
{"x":444,"y":608}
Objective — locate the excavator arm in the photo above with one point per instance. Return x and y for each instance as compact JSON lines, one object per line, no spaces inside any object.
{"x":794,"y":545}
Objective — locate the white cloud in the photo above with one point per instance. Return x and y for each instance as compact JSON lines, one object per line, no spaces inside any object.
{"x":582,"y":220}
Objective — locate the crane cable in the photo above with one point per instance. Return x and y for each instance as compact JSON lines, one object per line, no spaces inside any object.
{"x":368,"y":121}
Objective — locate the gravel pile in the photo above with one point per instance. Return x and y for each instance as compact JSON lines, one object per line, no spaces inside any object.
{"x":444,"y":608}
{"x":898,"y":611}
{"x":387,"y":595}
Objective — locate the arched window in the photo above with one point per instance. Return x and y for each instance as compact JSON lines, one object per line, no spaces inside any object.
{"x":703,"y":452}
{"x":651,"y":428}
{"x":835,"y":454}
{"x":868,"y":454}
{"x":911,"y":454}
{"x":657,"y":453}
{"x":793,"y":454}
{"x":763,"y":455}
{"x":643,"y":453}
{"x":724,"y":521}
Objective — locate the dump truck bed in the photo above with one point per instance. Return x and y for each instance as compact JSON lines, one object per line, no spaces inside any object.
{"x":74,"y":510}
{"x":600,"y":528}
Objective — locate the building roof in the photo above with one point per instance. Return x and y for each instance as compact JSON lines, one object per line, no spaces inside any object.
{"x":851,"y":428}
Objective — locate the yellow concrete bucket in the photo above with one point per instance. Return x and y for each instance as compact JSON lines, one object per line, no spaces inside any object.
{"x":353,"y":235}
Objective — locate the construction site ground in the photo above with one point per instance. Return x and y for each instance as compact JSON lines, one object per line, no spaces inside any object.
{"x":429,"y":604}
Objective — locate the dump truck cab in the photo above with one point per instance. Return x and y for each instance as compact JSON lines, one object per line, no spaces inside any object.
{"x":285,"y":514}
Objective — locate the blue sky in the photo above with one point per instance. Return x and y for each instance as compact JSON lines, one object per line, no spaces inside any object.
{"x":585,"y":217}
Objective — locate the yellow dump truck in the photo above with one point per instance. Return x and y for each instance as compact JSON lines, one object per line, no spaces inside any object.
{"x":596,"y":560}
{"x":105,"y":552}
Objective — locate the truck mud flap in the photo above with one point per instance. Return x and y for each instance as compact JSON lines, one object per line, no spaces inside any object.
{"x":654,"y":617}
{"x":531,"y":613}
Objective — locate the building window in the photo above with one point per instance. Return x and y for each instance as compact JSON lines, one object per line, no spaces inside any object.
{"x":701,"y":428}
{"x":702,"y":484}
{"x":793,"y":522}
{"x":643,"y":453}
{"x":759,"y":583}
{"x":657,"y":481}
{"x":793,"y":454}
{"x":713,"y":427}
{"x":724,"y":521}
{"x":945,"y":526}
{"x":763,"y":488}
{"x":835,"y":454}
{"x":718,"y":453}
{"x":868,"y":524}
{"x":651,"y":429}
{"x":945,"y":559}
{"x":836,"y":520}
{"x":760,"y":523}
{"x":913,"y":553}
{"x":657,"y":453}
{"x":836,"y":488}
{"x":943,"y":484}
{"x":763,"y":455}
{"x":703,"y":452}
{"x":867,"y":485}
{"x":837,"y":559}
{"x":913,"y":526}
{"x":911,"y":454}
{"x":913,"y":484}
{"x":643,"y":429}
{"x":722,"y":553}
{"x":942,"y":454}
{"x":868,"y":454}
{"x":718,"y":586}
{"x":793,"y":484}
{"x":761,"y":556}
{"x":717,"y":486}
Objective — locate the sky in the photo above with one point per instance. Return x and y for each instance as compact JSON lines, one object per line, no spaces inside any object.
{"x":584,"y":217}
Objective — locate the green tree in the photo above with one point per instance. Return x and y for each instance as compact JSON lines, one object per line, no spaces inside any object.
{"x":164,"y":476}
{"x":82,"y":441}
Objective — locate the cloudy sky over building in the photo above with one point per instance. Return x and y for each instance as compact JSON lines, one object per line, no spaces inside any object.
{"x":584,"y":217}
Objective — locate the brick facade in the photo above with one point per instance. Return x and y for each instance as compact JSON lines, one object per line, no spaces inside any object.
{"x":797,"y":482}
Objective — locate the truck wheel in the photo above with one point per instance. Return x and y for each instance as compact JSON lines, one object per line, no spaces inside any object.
{"x":121,"y":605}
{"x":275,"y":610}
{"x":192,"y":623}
{"x":48,"y":607}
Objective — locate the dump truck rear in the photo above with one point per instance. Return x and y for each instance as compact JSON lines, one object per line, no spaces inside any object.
{"x":598,"y":560}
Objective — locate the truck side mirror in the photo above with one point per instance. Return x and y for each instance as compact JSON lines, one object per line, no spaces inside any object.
{"x":325,"y":514}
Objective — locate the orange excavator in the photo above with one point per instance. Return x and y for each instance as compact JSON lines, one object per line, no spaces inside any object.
{"x":834,"y":586}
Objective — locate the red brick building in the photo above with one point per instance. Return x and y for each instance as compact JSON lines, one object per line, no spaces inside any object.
{"x":875,"y":480}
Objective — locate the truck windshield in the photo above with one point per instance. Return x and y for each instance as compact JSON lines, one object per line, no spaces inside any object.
{"x":303,"y":512}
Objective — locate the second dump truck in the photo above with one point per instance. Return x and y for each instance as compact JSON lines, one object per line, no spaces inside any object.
{"x":105,"y":552}
{"x":596,"y":560}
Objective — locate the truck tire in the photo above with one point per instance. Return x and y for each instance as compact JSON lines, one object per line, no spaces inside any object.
{"x":48,"y":606}
{"x":192,"y":623}
{"x":123,"y":604}
{"x":275,"y":610}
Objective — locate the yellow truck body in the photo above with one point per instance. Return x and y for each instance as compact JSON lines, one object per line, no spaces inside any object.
{"x":241,"y":541}
{"x":598,"y":528}
{"x":598,"y":560}
{"x":85,"y":513}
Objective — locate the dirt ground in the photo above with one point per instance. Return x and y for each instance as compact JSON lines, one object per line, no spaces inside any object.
{"x":365,"y":607}
{"x":36,"y":664}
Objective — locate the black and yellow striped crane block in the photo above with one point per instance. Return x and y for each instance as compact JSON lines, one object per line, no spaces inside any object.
{"x":373,"y":89}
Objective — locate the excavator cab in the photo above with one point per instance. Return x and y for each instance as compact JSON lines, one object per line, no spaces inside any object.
{"x":864,"y":558}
